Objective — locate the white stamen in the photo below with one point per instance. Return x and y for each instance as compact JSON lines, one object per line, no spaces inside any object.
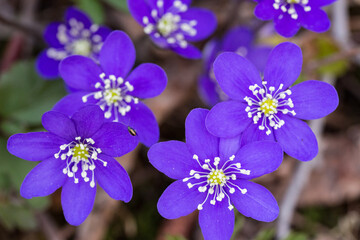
{"x":215,"y":181}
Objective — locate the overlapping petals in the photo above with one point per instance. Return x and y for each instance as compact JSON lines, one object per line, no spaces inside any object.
{"x":44,"y":179}
{"x":283,"y":65}
{"x":22,"y":145}
{"x":161,"y":156}
{"x":113,"y":87}
{"x":117,"y":56}
{"x":77,"y":201}
{"x":76,"y":153}
{"x":239,"y":40}
{"x":258,"y":203}
{"x":76,"y":36}
{"x":289,"y":16}
{"x":114,"y":179}
{"x":204,"y":163}
{"x":232,"y":79}
{"x":172,"y":24}
{"x":198,"y":139}
{"x":216,"y":224}
{"x":248,"y":113}
{"x":84,"y":76}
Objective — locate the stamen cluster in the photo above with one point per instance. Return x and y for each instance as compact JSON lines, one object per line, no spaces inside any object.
{"x":76,"y":40}
{"x":169,"y":24}
{"x":80,"y":154}
{"x":289,"y":6}
{"x":217,"y":182}
{"x":266,"y":103}
{"x":112,"y":96}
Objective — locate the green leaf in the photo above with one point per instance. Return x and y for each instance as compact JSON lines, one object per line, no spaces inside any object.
{"x":119,"y":4}
{"x":93,"y":8}
{"x":327,"y":47}
{"x":11,"y":127}
{"x":17,"y":216}
{"x":24,"y":96}
{"x":13,"y":169}
{"x":38,"y":203}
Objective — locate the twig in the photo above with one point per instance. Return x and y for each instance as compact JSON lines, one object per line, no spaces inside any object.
{"x":346,"y":54}
{"x":48,"y":226}
{"x":300,"y":178}
{"x":287,"y":208}
{"x":27,"y":27}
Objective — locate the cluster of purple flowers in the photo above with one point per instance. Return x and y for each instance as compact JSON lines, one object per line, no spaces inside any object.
{"x":241,"y":139}
{"x":257,"y":114}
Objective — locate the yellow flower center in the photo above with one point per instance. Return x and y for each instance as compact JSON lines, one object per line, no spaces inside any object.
{"x":81,"y":152}
{"x":168,"y":24}
{"x":293,"y":1}
{"x":112,"y":95}
{"x":82,"y":47}
{"x":217,"y":177}
{"x":268,"y":106}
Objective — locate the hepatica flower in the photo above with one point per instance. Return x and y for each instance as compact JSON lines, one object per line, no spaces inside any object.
{"x":111,"y":86}
{"x":290,"y":15}
{"x":172,"y":24}
{"x":239,"y":40}
{"x":212,"y":176}
{"x":77,"y":36}
{"x":268,"y":109}
{"x":76,"y":154}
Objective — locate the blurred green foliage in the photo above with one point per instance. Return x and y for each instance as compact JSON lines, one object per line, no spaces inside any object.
{"x":96,"y":10}
{"x":325,"y":48}
{"x":119,"y":4}
{"x":93,"y":8}
{"x":24,"y":97}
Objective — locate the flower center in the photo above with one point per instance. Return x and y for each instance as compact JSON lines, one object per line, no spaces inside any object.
{"x":268,"y":106}
{"x":288,"y":6}
{"x":82,"y":47}
{"x":217,"y":182}
{"x":113,"y":97}
{"x":169,"y":24}
{"x":217,"y":177}
{"x":80,"y":154}
{"x":76,"y":39}
{"x":81,"y":151}
{"x":265,"y":104}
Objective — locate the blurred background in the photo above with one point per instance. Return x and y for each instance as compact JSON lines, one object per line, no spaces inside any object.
{"x":318,"y":200}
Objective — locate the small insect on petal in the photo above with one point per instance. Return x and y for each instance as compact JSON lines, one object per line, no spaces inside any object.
{"x":132,"y":131}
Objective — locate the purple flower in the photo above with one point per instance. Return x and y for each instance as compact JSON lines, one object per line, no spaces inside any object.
{"x":75,"y":154}
{"x":239,"y":40}
{"x":268,"y":109}
{"x":172,"y":24}
{"x":212,"y":176}
{"x":290,"y":15}
{"x":77,"y":36}
{"x":110,"y":86}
